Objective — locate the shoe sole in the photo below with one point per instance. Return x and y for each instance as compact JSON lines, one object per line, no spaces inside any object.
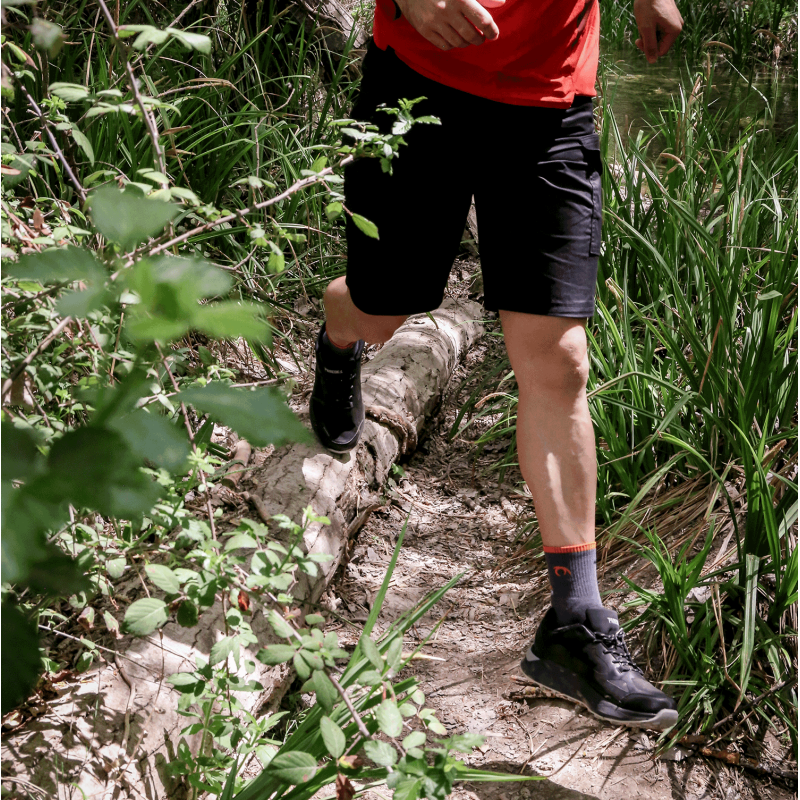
{"x":567,"y":685}
{"x":337,"y":449}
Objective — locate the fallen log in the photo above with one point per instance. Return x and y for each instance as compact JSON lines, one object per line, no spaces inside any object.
{"x":331,"y":23}
{"x":114,"y":731}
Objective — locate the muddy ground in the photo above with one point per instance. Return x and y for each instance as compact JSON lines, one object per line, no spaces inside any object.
{"x":461,"y":519}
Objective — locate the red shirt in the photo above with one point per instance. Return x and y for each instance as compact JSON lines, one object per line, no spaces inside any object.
{"x":546,"y":53}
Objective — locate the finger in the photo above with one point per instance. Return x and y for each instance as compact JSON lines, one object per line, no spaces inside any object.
{"x":481,"y":19}
{"x":452,"y":37}
{"x":649,"y":42}
{"x":667,"y":40}
{"x":434,"y":38}
{"x":467,"y":31}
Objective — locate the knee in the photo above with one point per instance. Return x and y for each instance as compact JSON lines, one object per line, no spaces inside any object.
{"x":561,"y":369}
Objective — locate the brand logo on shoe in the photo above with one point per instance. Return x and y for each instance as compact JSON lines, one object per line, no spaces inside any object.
{"x":612,"y":620}
{"x":334,"y":371}
{"x":561,"y":571}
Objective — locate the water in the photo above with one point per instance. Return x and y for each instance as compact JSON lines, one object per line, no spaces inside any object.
{"x":634,"y":87}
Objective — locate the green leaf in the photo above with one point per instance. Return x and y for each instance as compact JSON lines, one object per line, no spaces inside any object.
{"x":57,"y":265}
{"x":185,"y":682}
{"x":144,"y":616}
{"x":164,"y":578}
{"x":69,"y":92}
{"x":370,"y":678}
{"x":314,"y":619}
{"x":94,"y":468}
{"x":222,"y":649}
{"x":127,"y":217}
{"x":188,"y":614}
{"x":262,"y":417}
{"x":241,"y":541}
{"x":154,"y":438}
{"x":47,"y":36}
{"x":293,"y":767}
{"x":390,"y":721}
{"x":407,"y":789}
{"x":370,"y":650}
{"x":83,"y":142}
{"x":381,"y":753}
{"x":301,"y":667}
{"x":324,"y":689}
{"x":192,"y":41}
{"x":230,"y":320}
{"x":364,"y":225}
{"x":148,"y":35}
{"x":81,"y":303}
{"x":116,"y":567}
{"x":333,"y":211}
{"x":281,"y":627}
{"x":394,"y":653}
{"x":19,"y":657}
{"x":20,"y":456}
{"x":332,"y":736}
{"x":414,"y":739}
{"x":275,"y":654}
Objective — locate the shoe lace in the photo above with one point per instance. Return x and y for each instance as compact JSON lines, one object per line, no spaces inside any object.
{"x":339,"y":390}
{"x":614,"y":645}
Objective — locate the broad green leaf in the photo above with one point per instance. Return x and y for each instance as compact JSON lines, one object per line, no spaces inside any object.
{"x":20,"y":658}
{"x":241,"y":541}
{"x":185,"y":682}
{"x":193,"y":41}
{"x":188,"y":614}
{"x":47,"y":36}
{"x":154,"y":438}
{"x":364,"y":225}
{"x":281,"y":627}
{"x":324,"y":689}
{"x":231,"y":319}
{"x":381,"y":753}
{"x":414,"y":739}
{"x":81,"y":303}
{"x":164,"y":578}
{"x":275,"y":654}
{"x":111,"y":622}
{"x":20,"y":456}
{"x":370,"y":650}
{"x":148,"y":35}
{"x":70,"y":92}
{"x":293,"y":767}
{"x":394,"y":653}
{"x":262,"y":416}
{"x":390,"y":721}
{"x":407,"y":789}
{"x":94,"y":468}
{"x":144,"y":616}
{"x":116,"y":567}
{"x":83,"y":142}
{"x":301,"y":667}
{"x":127,"y":217}
{"x":57,"y":265}
{"x":333,"y":211}
{"x":222,"y":649}
{"x":370,"y":678}
{"x":314,"y":619}
{"x":332,"y":735}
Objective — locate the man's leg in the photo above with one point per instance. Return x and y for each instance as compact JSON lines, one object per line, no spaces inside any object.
{"x":345,"y":324}
{"x":579,"y":650}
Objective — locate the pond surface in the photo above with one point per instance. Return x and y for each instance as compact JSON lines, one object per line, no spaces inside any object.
{"x":638,"y":89}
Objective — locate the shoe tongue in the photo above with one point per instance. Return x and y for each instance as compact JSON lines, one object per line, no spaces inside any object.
{"x":602,"y":620}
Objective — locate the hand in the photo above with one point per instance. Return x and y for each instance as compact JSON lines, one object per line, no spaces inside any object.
{"x":659,"y":23}
{"x":450,"y":23}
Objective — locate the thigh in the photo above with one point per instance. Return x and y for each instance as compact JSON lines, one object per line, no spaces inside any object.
{"x":419,"y":209}
{"x":539,"y":250}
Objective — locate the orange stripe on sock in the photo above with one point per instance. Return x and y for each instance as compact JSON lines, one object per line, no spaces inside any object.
{"x":572,"y":548}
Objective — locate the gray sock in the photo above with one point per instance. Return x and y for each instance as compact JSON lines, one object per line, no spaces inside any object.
{"x":573,"y":581}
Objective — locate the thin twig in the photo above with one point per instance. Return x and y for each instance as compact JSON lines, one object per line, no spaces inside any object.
{"x":54,"y":144}
{"x":20,"y":368}
{"x":148,"y":118}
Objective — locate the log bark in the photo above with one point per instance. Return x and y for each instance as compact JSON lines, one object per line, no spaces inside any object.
{"x":114,"y":731}
{"x":332,"y":23}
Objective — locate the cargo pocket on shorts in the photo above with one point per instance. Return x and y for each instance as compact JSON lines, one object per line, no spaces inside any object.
{"x":594,"y":172}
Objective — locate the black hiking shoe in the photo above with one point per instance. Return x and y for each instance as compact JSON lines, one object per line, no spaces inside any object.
{"x":589,"y":663}
{"x":337,"y":410}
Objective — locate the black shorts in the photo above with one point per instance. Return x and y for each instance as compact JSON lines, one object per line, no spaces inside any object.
{"x":535,"y":174}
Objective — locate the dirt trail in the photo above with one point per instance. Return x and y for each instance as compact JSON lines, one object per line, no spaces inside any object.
{"x":461,"y":521}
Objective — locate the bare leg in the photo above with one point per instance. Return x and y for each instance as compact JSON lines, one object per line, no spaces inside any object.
{"x":555,"y":439}
{"x":345,"y":323}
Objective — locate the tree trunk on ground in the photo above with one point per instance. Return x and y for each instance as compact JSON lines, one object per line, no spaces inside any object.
{"x":332,"y":23}
{"x":113,"y":731}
